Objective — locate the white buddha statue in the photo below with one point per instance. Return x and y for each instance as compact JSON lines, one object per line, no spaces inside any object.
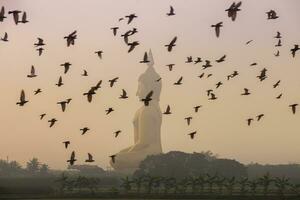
{"x":147,"y":124}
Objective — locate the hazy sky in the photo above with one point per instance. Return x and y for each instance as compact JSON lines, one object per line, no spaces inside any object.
{"x":221,"y":124}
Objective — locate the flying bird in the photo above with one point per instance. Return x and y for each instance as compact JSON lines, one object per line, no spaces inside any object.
{"x":168,"y":110}
{"x":278,"y":35}
{"x":114,"y":29}
{"x":5,"y":37}
{"x":259,"y":117}
{"x":276,"y":84}
{"x":218,"y":84}
{"x":130,"y":18}
{"x":222,"y":59}
{"x":192,"y":134}
{"x":132,"y":45}
{"x":84,"y":73}
{"x":109,"y":110}
{"x":179,"y":81}
{"x":113,"y":158}
{"x":246,"y":92}
{"x":249,"y":121}
{"x":293,"y":106}
{"x":32,"y":72}
{"x":15,"y":14}
{"x":59,"y":83}
{"x":145,"y":58}
{"x":72,"y":158}
{"x":271,"y":14}
{"x":207,"y":64}
{"x":37,"y":91}
{"x":63,"y":105}
{"x":279,"y":96}
{"x":171,"y":12}
{"x":123,"y":95}
{"x":42,"y":116}
{"x":66,"y":143}
{"x":23,"y":100}
{"x":148,"y":98}
{"x":189,"y":59}
{"x":217,"y":28}
{"x":248,"y":42}
{"x":278,"y":43}
{"x":2,"y":14}
{"x":188,"y":120}
{"x":170,"y":66}
{"x":117,"y":133}
{"x":52,"y":122}
{"x":71,"y":38}
{"x":40,"y":50}
{"x":90,"y":158}
{"x":90,"y":94}
{"x":66,"y":66}
{"x":212,"y":96}
{"x":295,"y":49}
{"x":171,"y":44}
{"x":196,"y":108}
{"x":99,"y":53}
{"x":24,"y":18}
{"x":233,"y":9}
{"x":84,"y":130}
{"x":198,"y":60}
{"x":40,"y":42}
{"x":113,"y":81}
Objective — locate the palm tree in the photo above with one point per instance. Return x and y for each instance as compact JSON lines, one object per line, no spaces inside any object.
{"x":243,"y":182}
{"x":201,"y":182}
{"x":33,"y":166}
{"x":126,"y":184}
{"x":168,"y":184}
{"x":295,"y":188}
{"x":183,"y":185}
{"x":138,"y":182}
{"x":229,"y":184}
{"x":193,"y":182}
{"x":265,"y":181}
{"x":220,"y":183}
{"x":253,"y":186}
{"x":281,"y":184}
{"x":62,"y":180}
{"x":93,"y":184}
{"x":211,"y":181}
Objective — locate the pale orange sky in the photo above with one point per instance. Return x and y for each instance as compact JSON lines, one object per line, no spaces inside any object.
{"x":220,"y":124}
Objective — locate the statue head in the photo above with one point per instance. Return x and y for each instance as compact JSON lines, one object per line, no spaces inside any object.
{"x":149,"y":81}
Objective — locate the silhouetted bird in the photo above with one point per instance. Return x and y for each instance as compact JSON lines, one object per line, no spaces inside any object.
{"x":222,"y":59}
{"x":259,"y":117}
{"x":84,"y":73}
{"x":132,"y":45}
{"x":198,"y":60}
{"x":253,"y":64}
{"x":42,"y":116}
{"x":207,"y":64}
{"x":63,"y":105}
{"x":248,"y":42}
{"x":219,"y":84}
{"x":90,"y":94}
{"x":113,"y":158}
{"x":109,"y":110}
{"x":127,"y":34}
{"x":171,"y":12}
{"x":113,"y":81}
{"x":32,"y":73}
{"x":278,"y":35}
{"x":276,"y":84}
{"x":90,"y":158}
{"x":123,"y":95}
{"x":66,"y":65}
{"x":279,"y":43}
{"x":209,"y":75}
{"x":277,"y":53}
{"x":192,"y":134}
{"x":148,"y":98}
{"x":262,"y":75}
{"x":209,"y":91}
{"x":234,"y":74}
{"x":170,"y":66}
{"x":212,"y":96}
{"x":233,"y":9}
{"x":24,"y":18}
{"x":249,"y":121}
{"x":97,"y":86}
{"x":2,"y":14}
{"x":5,"y":37}
{"x":295,"y":49}
{"x":279,"y":96}
{"x":15,"y":14}
{"x":272,"y":14}
{"x":37,"y":91}
{"x":246,"y":92}
{"x":84,"y":130}
{"x":99,"y":53}
{"x":114,"y":30}
{"x":145,"y":58}
{"x":130,"y":18}
{"x":23,"y":100}
{"x":168,"y":110}
{"x":188,"y":120}
{"x":201,"y":75}
{"x":172,"y":44}
{"x":189,"y":59}
{"x":59,"y":83}
{"x":179,"y":81}
{"x":293,"y":106}
{"x":72,"y":158}
{"x":40,"y":42}
{"x":71,"y":38}
{"x":66,"y":143}
{"x":52,"y":122}
{"x":117,"y":133}
{"x":196,"y":108}
{"x":217,"y":28}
